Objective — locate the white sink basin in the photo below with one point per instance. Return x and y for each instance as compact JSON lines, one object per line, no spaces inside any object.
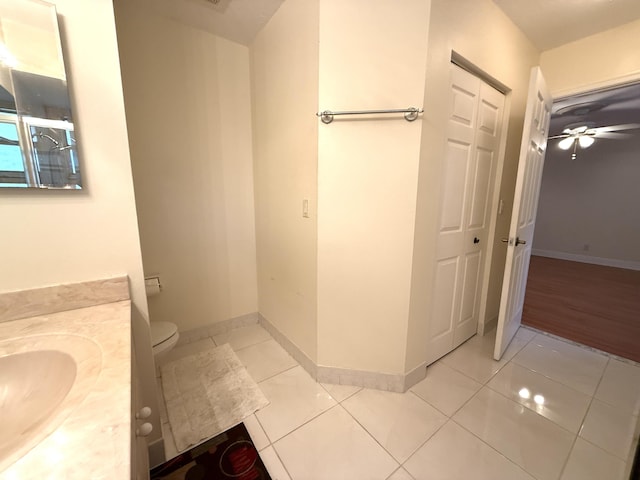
{"x":42,"y":379}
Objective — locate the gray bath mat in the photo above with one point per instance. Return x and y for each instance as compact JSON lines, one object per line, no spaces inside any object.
{"x":206,"y":393}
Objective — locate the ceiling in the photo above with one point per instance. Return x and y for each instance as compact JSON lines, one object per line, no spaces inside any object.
{"x":551,"y":23}
{"x":547,"y":23}
{"x":236,"y":20}
{"x":614,"y":106}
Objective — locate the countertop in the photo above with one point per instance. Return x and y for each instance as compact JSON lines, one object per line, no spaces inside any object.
{"x":94,"y":440}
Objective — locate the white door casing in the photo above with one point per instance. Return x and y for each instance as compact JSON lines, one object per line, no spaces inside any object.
{"x":471,"y":156}
{"x":525,"y":206}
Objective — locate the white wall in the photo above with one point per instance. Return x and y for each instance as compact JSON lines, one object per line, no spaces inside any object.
{"x":372,"y":56}
{"x":54,"y":237}
{"x":605,"y":58}
{"x":284,"y":79}
{"x":480,"y":32}
{"x":188,"y":108}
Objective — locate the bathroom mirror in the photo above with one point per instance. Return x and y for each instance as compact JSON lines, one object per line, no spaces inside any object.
{"x":37,"y":139}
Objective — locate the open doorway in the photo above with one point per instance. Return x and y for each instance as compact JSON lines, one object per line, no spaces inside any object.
{"x":584,"y":275}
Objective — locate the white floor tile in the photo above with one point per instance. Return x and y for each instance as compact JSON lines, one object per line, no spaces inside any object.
{"x":186,"y":350}
{"x":560,"y":404}
{"x":588,"y":462}
{"x":576,"y":367}
{"x":274,"y":465}
{"x":170,"y":449}
{"x":340,"y":392}
{"x":162,"y":406}
{"x":265,"y":359}
{"x":620,"y":385}
{"x":475,"y":357}
{"x":536,"y":444}
{"x":446,"y":388}
{"x":295,"y":399}
{"x":243,"y":337}
{"x":455,"y":454}
{"x":610,"y":428}
{"x":334,"y":447}
{"x":400,"y":422}
{"x":525,"y":333}
{"x":259,"y":438}
{"x":400,"y":474}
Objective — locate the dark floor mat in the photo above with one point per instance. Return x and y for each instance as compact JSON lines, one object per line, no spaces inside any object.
{"x":230,"y":455}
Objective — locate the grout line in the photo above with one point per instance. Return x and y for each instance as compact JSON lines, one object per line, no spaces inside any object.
{"x":281,"y":461}
{"x":276,"y":374}
{"x":374,"y":438}
{"x":494,"y":449}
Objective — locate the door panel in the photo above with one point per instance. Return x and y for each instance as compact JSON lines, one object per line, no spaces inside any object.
{"x":455,"y":175}
{"x":444,"y":306}
{"x":525,"y":204}
{"x":481,"y":189}
{"x":467,"y":324}
{"x":468,"y":176}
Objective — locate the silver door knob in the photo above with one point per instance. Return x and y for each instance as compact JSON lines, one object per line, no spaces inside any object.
{"x":520,"y":242}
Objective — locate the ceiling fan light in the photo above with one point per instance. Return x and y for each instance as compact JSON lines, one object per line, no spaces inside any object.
{"x":586,"y":142}
{"x":565,"y":143}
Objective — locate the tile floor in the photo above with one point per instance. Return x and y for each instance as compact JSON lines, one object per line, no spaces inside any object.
{"x":548,"y":410}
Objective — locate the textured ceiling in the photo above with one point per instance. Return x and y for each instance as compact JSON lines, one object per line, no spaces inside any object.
{"x":551,"y":23}
{"x":236,"y":20}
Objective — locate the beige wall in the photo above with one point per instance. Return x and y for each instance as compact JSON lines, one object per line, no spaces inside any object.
{"x":600,"y":60}
{"x":484,"y":36}
{"x":284,"y":75}
{"x":189,"y":115}
{"x":53,"y":237}
{"x":372,"y":56}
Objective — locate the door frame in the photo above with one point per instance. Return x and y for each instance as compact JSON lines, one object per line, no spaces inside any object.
{"x":485,"y":324}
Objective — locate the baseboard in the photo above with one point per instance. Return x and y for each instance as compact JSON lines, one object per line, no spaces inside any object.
{"x":345,"y":376}
{"x":489,"y":325}
{"x":156,"y":453}
{"x":216,"y":328}
{"x":291,"y":348}
{"x":607,"y":262}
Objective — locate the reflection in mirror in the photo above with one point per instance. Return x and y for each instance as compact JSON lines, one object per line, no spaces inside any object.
{"x":37,"y":140}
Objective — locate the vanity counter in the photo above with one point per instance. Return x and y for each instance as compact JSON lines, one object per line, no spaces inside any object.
{"x":94,"y":440}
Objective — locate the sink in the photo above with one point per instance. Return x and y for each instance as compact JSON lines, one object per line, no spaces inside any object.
{"x":43,"y":378}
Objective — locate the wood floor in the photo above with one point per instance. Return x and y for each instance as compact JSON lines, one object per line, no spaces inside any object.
{"x":590,"y":304}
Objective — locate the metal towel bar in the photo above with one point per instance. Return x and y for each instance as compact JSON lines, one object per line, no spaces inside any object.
{"x":410,"y":114}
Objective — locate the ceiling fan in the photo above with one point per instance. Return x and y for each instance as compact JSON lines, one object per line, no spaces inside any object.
{"x":583,"y":135}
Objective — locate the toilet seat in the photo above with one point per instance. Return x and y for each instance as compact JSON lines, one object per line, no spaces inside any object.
{"x":164,"y":336}
{"x":162,"y":331}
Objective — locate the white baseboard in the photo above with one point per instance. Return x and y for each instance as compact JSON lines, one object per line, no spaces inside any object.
{"x":607,"y":262}
{"x":345,"y":376}
{"x":216,"y":328}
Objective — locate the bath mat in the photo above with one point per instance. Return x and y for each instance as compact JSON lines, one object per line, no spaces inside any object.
{"x":206,"y":393}
{"x":229,"y":455}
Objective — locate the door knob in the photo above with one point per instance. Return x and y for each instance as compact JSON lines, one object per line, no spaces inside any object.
{"x":520,"y":242}
{"x":505,"y":240}
{"x":476,"y":240}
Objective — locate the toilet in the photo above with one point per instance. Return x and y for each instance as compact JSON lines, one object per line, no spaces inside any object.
{"x":164,"y":336}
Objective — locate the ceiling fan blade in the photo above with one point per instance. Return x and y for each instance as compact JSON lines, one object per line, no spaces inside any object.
{"x":613,"y":135}
{"x":614,"y":128}
{"x":565,"y":135}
